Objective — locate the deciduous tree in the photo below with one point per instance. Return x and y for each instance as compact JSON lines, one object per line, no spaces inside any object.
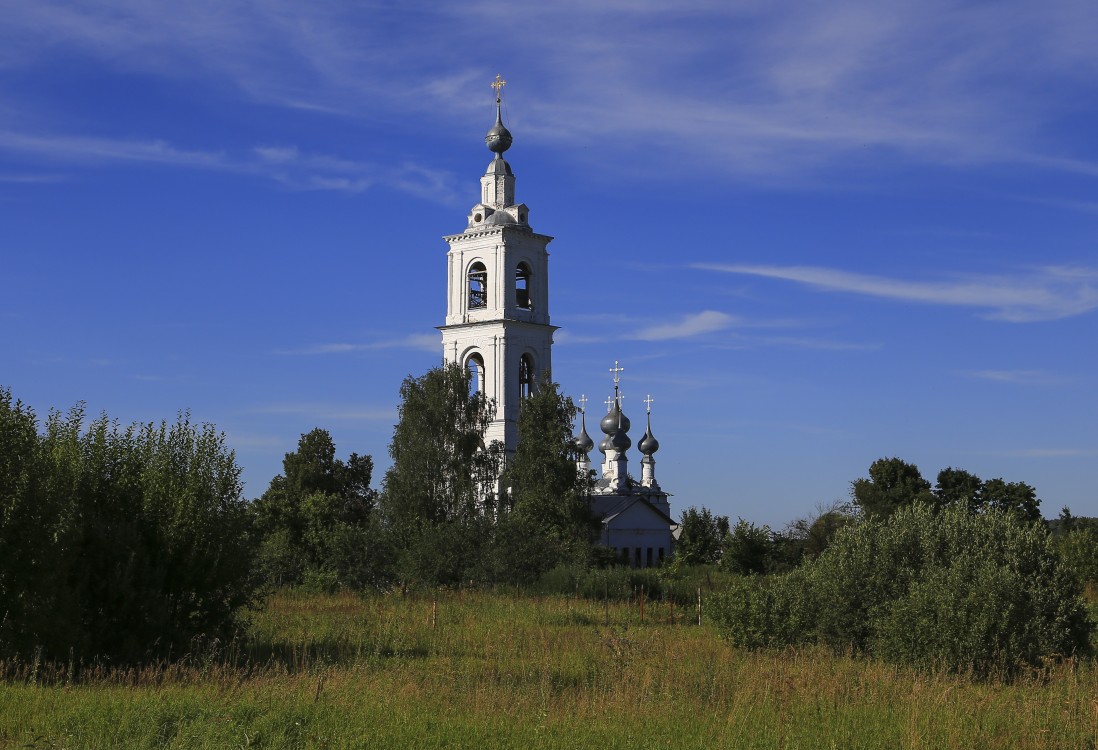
{"x":443,"y":479}
{"x":546,"y":494}
{"x":892,"y":484}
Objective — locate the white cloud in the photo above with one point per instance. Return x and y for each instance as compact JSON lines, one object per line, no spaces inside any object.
{"x":1018,"y":377}
{"x":1056,"y":452}
{"x":323,"y":412}
{"x":697,"y":324}
{"x":1049,"y":293}
{"x":431,"y":342}
{"x":744,"y":87}
{"x":32,"y":179}
{"x":286,"y":165}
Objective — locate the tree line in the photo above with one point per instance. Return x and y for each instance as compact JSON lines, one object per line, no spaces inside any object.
{"x":450,"y":510}
{"x":128,"y":543}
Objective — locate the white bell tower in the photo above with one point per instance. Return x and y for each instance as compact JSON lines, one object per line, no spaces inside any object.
{"x":497,"y":299}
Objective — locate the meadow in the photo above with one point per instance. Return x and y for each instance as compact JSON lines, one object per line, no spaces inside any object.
{"x":481,"y":669}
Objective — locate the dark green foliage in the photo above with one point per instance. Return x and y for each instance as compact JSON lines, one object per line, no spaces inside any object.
{"x":443,"y":478}
{"x":957,"y":487}
{"x":748,"y":549}
{"x":806,"y":538}
{"x":895,"y":484}
{"x":317,"y":518}
{"x":1017,"y":498}
{"x":120,"y":544}
{"x":1078,"y":549}
{"x":701,"y":537}
{"x":550,"y":519}
{"x":892,"y":484}
{"x":763,"y":612}
{"x":984,"y":594}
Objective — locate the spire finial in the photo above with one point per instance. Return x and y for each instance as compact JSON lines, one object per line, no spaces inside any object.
{"x":498,"y":139}
{"x":609,"y":403}
{"x":498,"y":85}
{"x":617,"y":370}
{"x":648,"y":402}
{"x":583,"y":403}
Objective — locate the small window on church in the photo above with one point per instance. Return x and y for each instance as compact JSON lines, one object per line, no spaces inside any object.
{"x":478,"y":285}
{"x":522,"y":286}
{"x":648,"y":563}
{"x":526,"y":376}
{"x":474,"y":370}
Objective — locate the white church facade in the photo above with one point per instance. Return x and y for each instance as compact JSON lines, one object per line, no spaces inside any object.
{"x":497,"y":328}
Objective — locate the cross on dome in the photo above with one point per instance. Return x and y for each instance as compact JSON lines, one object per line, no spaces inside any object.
{"x":583,"y":403}
{"x":617,"y":370}
{"x":498,"y":85}
{"x":648,"y":402}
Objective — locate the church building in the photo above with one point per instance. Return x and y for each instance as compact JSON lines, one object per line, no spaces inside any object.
{"x":497,"y":328}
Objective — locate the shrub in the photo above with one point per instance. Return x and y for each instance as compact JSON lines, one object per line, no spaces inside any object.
{"x":118,"y":543}
{"x":983,"y":594}
{"x":758,"y":612}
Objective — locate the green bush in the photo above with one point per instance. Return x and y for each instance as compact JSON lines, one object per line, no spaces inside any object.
{"x":758,"y":612}
{"x":119,"y":544}
{"x":983,"y":594}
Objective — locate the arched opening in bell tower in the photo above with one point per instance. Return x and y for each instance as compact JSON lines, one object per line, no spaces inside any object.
{"x":522,"y":286}
{"x":474,"y":371}
{"x":526,"y":376}
{"x":478,"y":285}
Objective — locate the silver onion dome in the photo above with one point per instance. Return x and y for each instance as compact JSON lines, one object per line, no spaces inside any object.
{"x":614,"y":420}
{"x":583,"y":441}
{"x":498,"y":138}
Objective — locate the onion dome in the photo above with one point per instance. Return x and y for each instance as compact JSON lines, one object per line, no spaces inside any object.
{"x":648,"y":444}
{"x":614,"y":420}
{"x":621,"y":441}
{"x":605,"y":445}
{"x":583,"y":441}
{"x":498,"y":138}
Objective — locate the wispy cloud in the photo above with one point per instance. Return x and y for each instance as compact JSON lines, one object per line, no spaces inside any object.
{"x":1049,"y":293}
{"x":422,"y":341}
{"x":32,"y":179}
{"x":321,"y":411}
{"x":1055,"y":452}
{"x":707,"y":321}
{"x":818,"y":344}
{"x":746,"y":88}
{"x":1018,"y":377}
{"x":250,"y":440}
{"x":286,"y":165}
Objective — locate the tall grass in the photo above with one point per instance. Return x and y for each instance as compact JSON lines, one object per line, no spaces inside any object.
{"x":476,"y":669}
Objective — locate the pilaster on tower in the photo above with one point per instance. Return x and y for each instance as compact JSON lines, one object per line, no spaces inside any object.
{"x":497,"y":304}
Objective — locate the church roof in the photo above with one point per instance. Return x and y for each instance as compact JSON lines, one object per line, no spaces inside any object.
{"x":625,"y":502}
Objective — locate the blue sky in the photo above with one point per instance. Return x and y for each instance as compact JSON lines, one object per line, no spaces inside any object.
{"x":816,"y":233}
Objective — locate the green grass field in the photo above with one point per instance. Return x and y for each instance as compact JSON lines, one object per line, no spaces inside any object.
{"x":485,"y":670}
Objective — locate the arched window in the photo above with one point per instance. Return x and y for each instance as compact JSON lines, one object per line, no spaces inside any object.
{"x":478,"y":285}
{"x":474,"y":370}
{"x":526,"y":376}
{"x":522,"y":286}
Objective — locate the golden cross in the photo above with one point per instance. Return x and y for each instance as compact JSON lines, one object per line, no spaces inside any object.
{"x":498,"y":84}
